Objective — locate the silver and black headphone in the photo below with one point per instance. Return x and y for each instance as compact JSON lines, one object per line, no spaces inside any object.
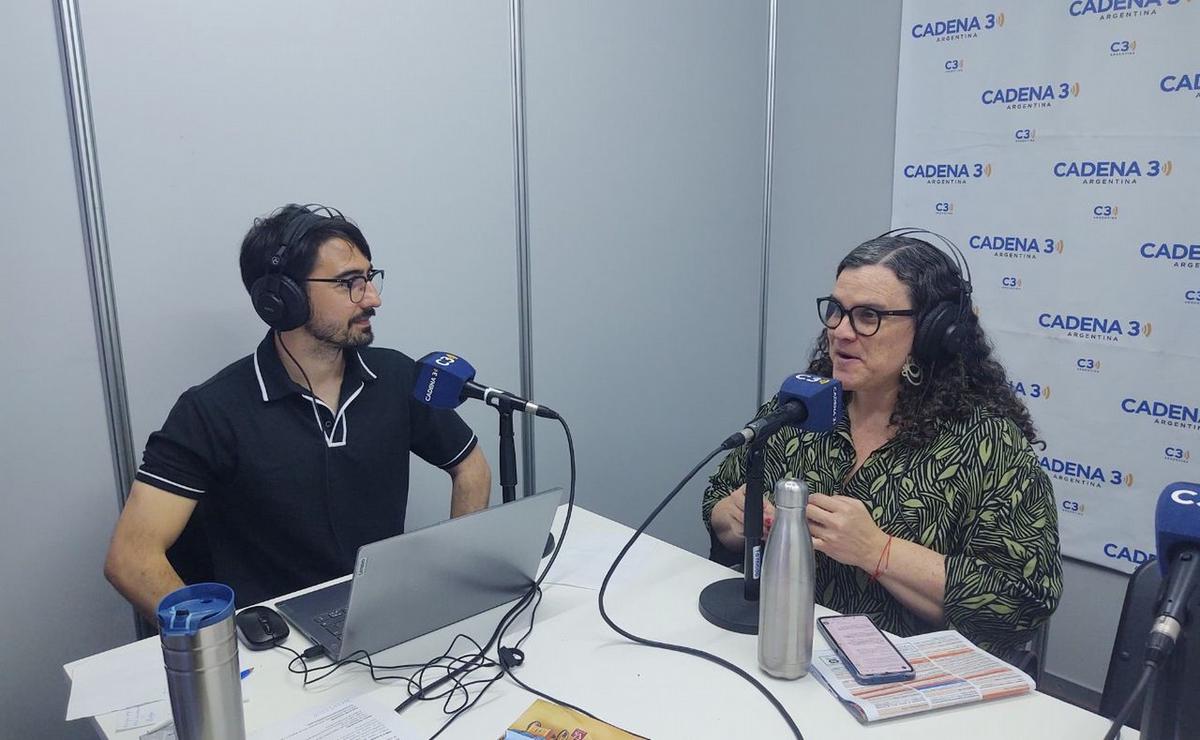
{"x":943,"y":329}
{"x":280,"y":300}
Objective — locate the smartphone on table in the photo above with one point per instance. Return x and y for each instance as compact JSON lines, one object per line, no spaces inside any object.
{"x":867,"y":653}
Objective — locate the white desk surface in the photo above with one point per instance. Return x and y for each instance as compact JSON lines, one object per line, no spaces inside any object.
{"x":574,"y":656}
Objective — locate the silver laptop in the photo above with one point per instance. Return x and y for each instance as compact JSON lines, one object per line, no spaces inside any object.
{"x":420,"y":581}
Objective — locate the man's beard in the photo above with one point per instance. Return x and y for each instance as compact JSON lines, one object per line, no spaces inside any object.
{"x":345,"y":336}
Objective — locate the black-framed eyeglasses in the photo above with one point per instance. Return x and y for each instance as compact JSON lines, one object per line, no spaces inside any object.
{"x":356,"y":286}
{"x":864,"y":320}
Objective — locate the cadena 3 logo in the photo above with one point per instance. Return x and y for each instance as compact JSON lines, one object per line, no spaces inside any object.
{"x":954,"y":29}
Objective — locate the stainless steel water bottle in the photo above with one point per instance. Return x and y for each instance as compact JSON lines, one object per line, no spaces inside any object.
{"x":200,"y":653}
{"x":785,"y":604}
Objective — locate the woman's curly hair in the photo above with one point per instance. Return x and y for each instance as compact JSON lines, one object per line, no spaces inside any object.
{"x":954,"y":385}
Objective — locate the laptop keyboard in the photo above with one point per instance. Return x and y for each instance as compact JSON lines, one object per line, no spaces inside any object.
{"x":333,"y":621}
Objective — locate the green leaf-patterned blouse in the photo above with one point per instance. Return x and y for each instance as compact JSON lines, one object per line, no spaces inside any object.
{"x":975,"y":494}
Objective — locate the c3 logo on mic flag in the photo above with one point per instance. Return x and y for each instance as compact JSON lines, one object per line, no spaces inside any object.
{"x":1104,"y":212}
{"x":446,"y":360}
{"x":1184,"y":83}
{"x":1112,"y":172}
{"x":1029,"y":96}
{"x":1164,"y":413}
{"x":1177,"y":454}
{"x":1182,"y":256}
{"x":1107,"y":10}
{"x":1025,"y":135}
{"x":1122,"y":48}
{"x":956,"y":29}
{"x":1087,"y":365}
{"x":1084,"y":474}
{"x":1015,"y":247}
{"x":1095,"y":328}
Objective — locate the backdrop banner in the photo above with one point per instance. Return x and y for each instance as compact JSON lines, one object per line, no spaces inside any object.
{"x":1058,"y":144}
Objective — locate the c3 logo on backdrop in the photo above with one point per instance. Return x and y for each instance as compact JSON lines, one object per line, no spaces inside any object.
{"x":1070,"y":471}
{"x":1015,"y":247}
{"x":1087,"y":364}
{"x":947,"y":173}
{"x":1025,"y":135}
{"x":955,"y":65}
{"x":1104,"y":212}
{"x":1108,"y":10}
{"x":1029,"y":96}
{"x":1112,"y":172}
{"x":955,"y":29}
{"x":1192,"y":296}
{"x":1096,"y":328}
{"x":1121,"y":48}
{"x":1164,"y":413}
{"x":1183,"y":256}
{"x":1185,"y":83}
{"x":1177,"y":454}
{"x":1071,"y":507}
{"x":1118,"y":551}
{"x":1010,"y":282}
{"x":943,"y":208}
{"x":1030,"y":390}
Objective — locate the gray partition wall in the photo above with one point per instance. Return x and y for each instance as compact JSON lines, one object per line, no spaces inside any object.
{"x":209,"y":114}
{"x":834,"y":137}
{"x":59,"y":493}
{"x":646,"y":126}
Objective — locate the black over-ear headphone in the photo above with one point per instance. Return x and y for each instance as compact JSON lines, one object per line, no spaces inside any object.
{"x":278,"y":299}
{"x":944,"y":328}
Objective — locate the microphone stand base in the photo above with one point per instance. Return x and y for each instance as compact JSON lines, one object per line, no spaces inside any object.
{"x":724,"y":604}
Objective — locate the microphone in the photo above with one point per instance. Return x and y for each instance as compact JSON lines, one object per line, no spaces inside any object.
{"x":445,"y":380}
{"x":1177,"y":539}
{"x":809,"y":402}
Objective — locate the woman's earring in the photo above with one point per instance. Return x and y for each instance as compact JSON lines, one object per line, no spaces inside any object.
{"x":912,"y":372}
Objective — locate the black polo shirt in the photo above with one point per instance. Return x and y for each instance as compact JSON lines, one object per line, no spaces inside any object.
{"x":289,"y":488}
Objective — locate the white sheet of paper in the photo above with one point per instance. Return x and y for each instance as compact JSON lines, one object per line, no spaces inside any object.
{"x":122,"y":677}
{"x":588,"y":557}
{"x":359,"y":718}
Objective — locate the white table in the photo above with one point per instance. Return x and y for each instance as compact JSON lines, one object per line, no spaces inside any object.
{"x":574,"y":656}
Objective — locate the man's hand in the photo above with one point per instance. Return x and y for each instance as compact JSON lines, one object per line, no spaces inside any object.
{"x":729,"y":519}
{"x":843,"y":529}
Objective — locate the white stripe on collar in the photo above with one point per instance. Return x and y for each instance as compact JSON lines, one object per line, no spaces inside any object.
{"x":258,"y":371}
{"x":364,"y":364}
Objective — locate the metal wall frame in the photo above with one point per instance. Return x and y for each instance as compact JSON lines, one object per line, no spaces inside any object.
{"x":95,"y":239}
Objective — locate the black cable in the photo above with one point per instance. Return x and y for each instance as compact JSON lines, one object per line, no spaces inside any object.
{"x":1114,"y":731}
{"x":683,"y":648}
{"x":477,"y":661}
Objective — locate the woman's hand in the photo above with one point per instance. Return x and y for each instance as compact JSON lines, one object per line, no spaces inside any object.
{"x":729,"y":519}
{"x":843,"y":529}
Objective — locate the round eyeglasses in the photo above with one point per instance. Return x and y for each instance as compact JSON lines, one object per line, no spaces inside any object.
{"x":864,"y":320}
{"x":356,"y":285}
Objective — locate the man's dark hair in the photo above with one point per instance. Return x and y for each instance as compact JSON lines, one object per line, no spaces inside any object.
{"x":266,"y":235}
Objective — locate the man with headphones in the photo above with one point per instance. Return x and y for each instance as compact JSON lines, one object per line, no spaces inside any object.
{"x":285,"y":462}
{"x":928,"y":507}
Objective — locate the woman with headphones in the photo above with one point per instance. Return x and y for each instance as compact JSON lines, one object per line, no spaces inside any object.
{"x":929,"y":509}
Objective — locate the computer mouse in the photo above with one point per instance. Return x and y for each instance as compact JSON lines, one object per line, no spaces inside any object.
{"x":261,"y":627}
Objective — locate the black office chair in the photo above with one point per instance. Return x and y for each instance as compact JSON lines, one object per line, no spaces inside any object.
{"x":1125,"y":665}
